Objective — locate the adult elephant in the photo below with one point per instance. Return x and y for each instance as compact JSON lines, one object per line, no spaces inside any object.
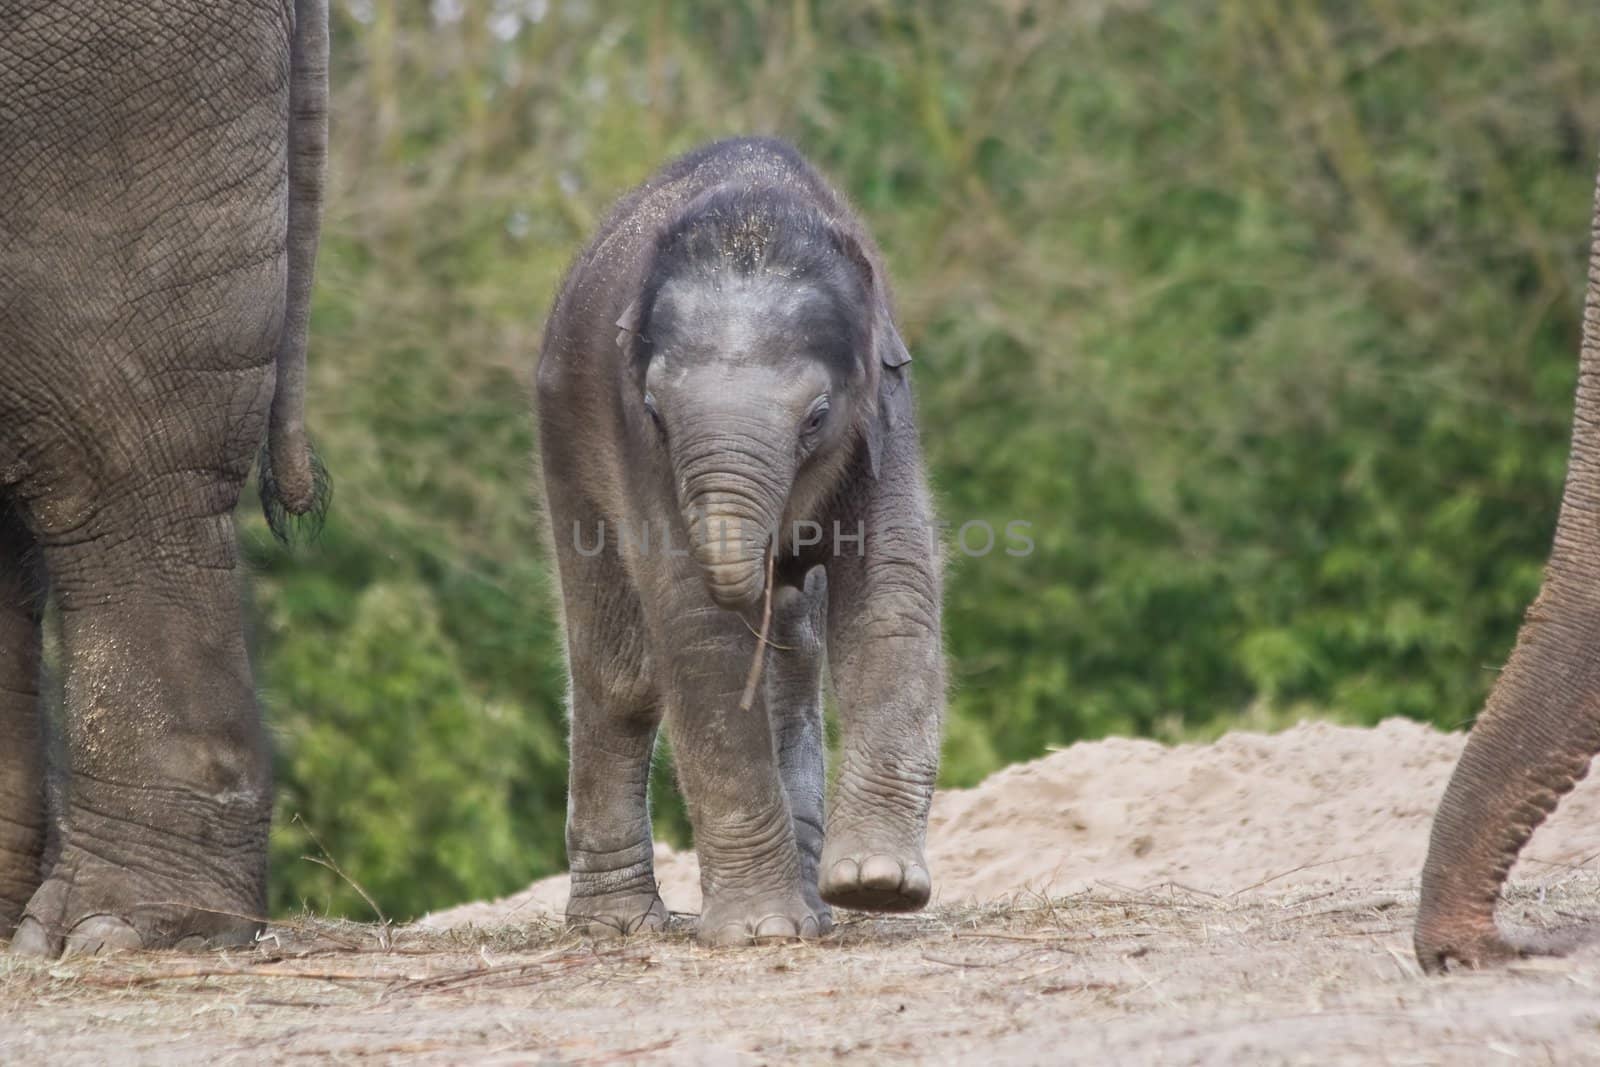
{"x":1541,"y":725}
{"x":161,"y":172}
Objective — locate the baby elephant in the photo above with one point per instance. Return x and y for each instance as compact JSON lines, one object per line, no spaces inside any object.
{"x":725,"y":430}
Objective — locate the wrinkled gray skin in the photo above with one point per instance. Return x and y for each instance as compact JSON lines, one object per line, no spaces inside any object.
{"x":157,"y":238}
{"x":678,"y":391}
{"x":1541,"y":726}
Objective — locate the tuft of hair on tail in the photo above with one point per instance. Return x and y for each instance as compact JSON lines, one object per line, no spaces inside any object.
{"x":289,"y":523}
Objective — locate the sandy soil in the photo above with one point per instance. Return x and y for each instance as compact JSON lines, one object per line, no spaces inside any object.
{"x":1318,"y":804}
{"x":1117,"y":902}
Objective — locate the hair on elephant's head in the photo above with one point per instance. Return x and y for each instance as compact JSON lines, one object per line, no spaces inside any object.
{"x":764,"y":361}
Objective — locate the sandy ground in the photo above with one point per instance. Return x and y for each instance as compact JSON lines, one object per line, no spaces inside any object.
{"x":1318,"y":804}
{"x":1248,"y":901}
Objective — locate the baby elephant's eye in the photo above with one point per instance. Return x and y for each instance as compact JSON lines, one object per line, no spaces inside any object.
{"x":817,"y":416}
{"x":650,"y":406}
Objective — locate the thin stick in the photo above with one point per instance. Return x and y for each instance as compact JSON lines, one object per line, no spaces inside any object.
{"x":787,"y":648}
{"x":183,"y":973}
{"x":754,"y":679}
{"x":1297,"y":870}
{"x":384,"y":941}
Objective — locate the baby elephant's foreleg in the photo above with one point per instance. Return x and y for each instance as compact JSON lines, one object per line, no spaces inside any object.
{"x":794,"y":703}
{"x":614,"y":716}
{"x":727,"y":766}
{"x":887,"y":666}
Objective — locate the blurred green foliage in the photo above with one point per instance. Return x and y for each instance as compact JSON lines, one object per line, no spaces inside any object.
{"x":1263,"y":312}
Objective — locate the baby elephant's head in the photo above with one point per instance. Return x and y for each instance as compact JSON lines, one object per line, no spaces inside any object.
{"x":755,"y":345}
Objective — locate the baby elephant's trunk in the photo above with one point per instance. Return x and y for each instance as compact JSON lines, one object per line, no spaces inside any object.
{"x":728,"y":538}
{"x":733,"y":485}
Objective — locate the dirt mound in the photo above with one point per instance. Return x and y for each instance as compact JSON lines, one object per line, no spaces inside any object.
{"x":1316,"y":804}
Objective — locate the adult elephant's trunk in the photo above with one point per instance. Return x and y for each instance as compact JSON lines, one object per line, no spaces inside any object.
{"x":1541,"y":725}
{"x":732,"y":504}
{"x":292,"y":480}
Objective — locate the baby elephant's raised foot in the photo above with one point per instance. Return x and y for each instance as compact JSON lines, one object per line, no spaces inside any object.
{"x":875,"y":881}
{"x":616,"y":915}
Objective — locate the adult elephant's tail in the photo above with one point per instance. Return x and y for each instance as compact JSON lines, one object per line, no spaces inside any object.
{"x":293,"y":481}
{"x":1541,"y":725}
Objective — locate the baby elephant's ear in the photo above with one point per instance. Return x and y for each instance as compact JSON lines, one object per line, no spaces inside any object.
{"x":889,"y":352}
{"x":886,"y":339}
{"x":894,"y":396}
{"x":887,"y":344}
{"x":628,"y":326}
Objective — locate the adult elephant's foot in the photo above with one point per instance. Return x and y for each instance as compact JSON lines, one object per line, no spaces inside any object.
{"x":88,"y":907}
{"x":117,"y":884}
{"x":864,"y":874}
{"x":737,"y":919}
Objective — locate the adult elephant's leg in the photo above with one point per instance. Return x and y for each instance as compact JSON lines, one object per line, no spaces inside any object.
{"x":163,"y":829}
{"x":614,"y":718}
{"x":154,"y":216}
{"x":794,"y":701}
{"x":22,"y":752}
{"x":743,"y":828}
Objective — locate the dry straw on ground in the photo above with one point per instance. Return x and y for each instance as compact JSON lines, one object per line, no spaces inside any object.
{"x":1160,"y":975}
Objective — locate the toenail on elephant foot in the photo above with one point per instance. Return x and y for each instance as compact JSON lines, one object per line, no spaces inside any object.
{"x":13,"y":901}
{"x":877,"y":882}
{"x":32,"y":939}
{"x":101,"y":935}
{"x":94,"y":935}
